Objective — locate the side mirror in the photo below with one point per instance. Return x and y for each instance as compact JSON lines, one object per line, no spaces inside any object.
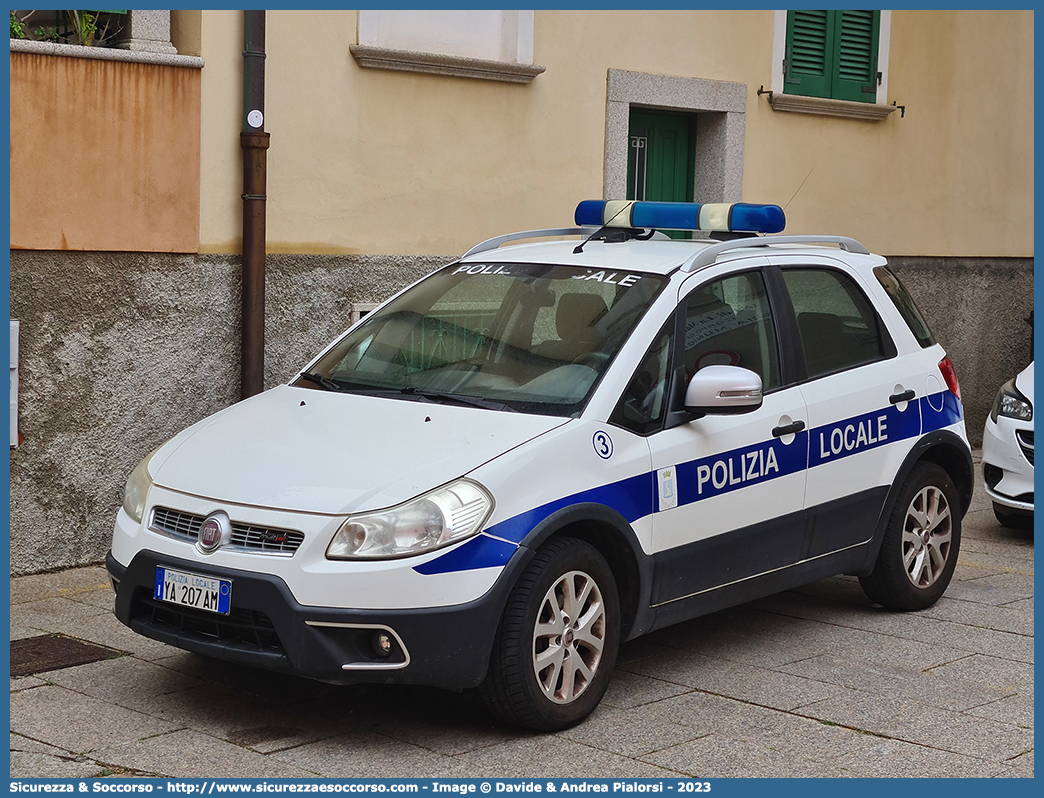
{"x":723,"y":390}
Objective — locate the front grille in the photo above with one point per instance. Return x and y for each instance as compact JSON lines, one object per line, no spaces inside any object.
{"x":1025,"y":437}
{"x":244,"y":627}
{"x":245,"y":537}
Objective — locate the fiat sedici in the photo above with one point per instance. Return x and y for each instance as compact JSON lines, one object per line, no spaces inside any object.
{"x":564,"y":440}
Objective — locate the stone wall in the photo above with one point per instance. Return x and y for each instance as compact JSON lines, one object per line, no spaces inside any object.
{"x":119,"y":351}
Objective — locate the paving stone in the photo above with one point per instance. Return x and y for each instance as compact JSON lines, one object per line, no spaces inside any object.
{"x":452,"y":735}
{"x":1003,"y":619}
{"x":946,"y":634}
{"x":996,"y":590}
{"x":742,"y":646}
{"x":544,"y":758}
{"x":188,"y":754}
{"x":748,"y":723}
{"x":245,"y":720}
{"x":995,"y":673}
{"x":974,"y":568}
{"x":59,"y":584}
{"x":1022,"y":605}
{"x":106,"y":630}
{"x":935,"y":688}
{"x":46,"y":766}
{"x":629,"y":690}
{"x":924,"y":725}
{"x":735,"y":680}
{"x":76,"y":722}
{"x":630,"y":732}
{"x":369,"y":755}
{"x":26,"y":683}
{"x":1016,"y":709}
{"x":19,"y":632}
{"x":717,"y":757}
{"x":52,"y":615}
{"x":895,"y":759}
{"x":817,"y":636}
{"x":127,"y":682}
{"x":1022,"y":765}
{"x":999,"y":548}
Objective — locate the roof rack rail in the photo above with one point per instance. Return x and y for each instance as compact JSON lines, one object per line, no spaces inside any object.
{"x":493,"y":243}
{"x":708,"y":255}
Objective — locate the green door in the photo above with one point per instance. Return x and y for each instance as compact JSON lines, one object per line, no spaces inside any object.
{"x":661,"y":158}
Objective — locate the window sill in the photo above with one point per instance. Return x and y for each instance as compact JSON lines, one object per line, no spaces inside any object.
{"x":105,"y":54}
{"x":437,"y":64}
{"x":826,"y":107}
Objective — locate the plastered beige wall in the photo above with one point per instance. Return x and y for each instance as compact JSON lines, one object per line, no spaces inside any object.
{"x":372,"y":161}
{"x":104,"y":155}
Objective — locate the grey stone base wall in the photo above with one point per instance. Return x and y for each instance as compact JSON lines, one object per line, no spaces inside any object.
{"x":119,"y":351}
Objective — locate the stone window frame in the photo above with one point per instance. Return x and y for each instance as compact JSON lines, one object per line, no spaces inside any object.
{"x":720,"y":108}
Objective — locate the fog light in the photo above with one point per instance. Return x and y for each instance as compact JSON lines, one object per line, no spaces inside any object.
{"x":382,"y":644}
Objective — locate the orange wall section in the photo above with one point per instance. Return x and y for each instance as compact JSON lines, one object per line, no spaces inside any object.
{"x":104,"y":155}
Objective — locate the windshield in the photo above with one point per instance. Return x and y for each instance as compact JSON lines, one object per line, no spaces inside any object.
{"x":533,"y":338}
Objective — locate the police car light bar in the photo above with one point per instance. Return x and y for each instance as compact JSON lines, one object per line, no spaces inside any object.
{"x":736,"y":217}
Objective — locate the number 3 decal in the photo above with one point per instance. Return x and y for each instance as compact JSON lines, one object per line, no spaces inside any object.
{"x":603,"y":445}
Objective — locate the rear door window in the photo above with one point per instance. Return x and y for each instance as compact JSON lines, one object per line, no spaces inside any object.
{"x":838,"y":327}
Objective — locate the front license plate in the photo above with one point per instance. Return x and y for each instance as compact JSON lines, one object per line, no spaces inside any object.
{"x":193,"y":590}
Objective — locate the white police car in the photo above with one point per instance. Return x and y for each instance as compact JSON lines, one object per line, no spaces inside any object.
{"x":545,"y":449}
{"x":1007,"y":451}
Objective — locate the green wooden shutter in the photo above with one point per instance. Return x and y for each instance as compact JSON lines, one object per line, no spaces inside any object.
{"x":857,"y":34}
{"x":810,"y":45}
{"x":832,"y":54}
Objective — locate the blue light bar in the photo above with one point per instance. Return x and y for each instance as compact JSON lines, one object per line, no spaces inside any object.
{"x":737,"y":217}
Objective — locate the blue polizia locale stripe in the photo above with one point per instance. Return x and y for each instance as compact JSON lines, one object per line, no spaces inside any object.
{"x":714,"y":475}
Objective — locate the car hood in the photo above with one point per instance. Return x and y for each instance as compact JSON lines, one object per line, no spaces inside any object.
{"x":316,"y":451}
{"x":1024,"y":382}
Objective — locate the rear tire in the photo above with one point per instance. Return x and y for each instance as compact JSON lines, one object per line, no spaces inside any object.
{"x":555,"y":648}
{"x":921,"y":542}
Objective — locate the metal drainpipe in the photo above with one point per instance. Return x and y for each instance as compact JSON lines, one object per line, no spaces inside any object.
{"x":254,"y":142}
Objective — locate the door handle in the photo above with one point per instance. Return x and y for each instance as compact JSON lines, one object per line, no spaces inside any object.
{"x":779,"y":432}
{"x":905,"y":396}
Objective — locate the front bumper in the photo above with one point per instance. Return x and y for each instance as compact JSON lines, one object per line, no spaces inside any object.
{"x":267,"y":628}
{"x":1007,"y":465}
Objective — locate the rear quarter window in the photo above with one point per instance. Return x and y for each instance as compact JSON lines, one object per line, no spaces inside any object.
{"x":905,"y":305}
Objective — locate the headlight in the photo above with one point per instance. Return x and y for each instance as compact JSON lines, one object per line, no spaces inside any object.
{"x":446,"y":515}
{"x":137,"y":489}
{"x":1012,"y":404}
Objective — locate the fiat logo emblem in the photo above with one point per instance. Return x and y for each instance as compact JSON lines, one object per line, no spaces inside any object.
{"x":216,"y":531}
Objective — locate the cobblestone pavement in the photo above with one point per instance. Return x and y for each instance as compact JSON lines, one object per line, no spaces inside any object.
{"x":815,"y":682}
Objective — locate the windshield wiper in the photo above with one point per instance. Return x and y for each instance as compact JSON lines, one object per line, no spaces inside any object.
{"x":459,"y":398}
{"x":322,"y":381}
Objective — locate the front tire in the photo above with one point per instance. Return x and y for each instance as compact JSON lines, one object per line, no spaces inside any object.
{"x":556,"y":645}
{"x":921,"y":542}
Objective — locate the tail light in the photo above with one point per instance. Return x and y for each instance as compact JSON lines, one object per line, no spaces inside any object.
{"x":948,"y":373}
